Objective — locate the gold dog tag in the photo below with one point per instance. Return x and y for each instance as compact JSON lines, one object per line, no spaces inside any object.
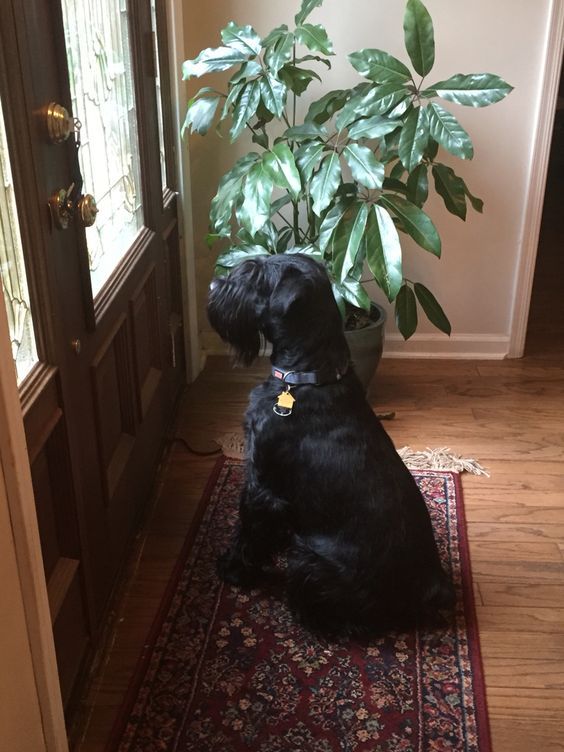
{"x":284,"y":404}
{"x":286,"y":400}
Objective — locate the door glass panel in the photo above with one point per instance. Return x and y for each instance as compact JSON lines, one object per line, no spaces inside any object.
{"x":158,"y":84}
{"x":12,"y":269}
{"x":103,"y":99}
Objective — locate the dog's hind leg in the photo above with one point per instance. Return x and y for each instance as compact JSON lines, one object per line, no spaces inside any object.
{"x":323,"y":585}
{"x":262,"y":532}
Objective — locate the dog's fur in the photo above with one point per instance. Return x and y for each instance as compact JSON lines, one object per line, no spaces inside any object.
{"x":325,"y":484}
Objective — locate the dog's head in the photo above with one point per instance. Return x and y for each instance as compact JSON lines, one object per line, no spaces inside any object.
{"x":287,"y":299}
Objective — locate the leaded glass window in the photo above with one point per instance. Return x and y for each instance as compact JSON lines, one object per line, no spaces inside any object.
{"x":12,"y":269}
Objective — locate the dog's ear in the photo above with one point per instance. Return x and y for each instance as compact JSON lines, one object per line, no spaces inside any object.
{"x":293,"y":290}
{"x":235,"y":309}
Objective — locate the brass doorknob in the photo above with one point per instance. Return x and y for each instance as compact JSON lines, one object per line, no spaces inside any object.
{"x":87,"y":210}
{"x":63,"y":208}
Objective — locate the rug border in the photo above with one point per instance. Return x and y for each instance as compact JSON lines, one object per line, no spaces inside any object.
{"x":120,"y":722}
{"x":470,"y":614}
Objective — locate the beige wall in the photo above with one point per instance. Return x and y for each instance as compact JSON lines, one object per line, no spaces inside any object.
{"x":475,"y":280}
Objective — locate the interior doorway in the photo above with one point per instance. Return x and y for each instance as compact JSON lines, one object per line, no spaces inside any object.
{"x":545,"y":329}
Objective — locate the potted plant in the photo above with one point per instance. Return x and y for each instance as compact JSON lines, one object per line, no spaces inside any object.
{"x":347,"y":180}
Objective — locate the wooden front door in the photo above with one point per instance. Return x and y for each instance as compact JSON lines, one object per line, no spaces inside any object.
{"x":105,"y":301}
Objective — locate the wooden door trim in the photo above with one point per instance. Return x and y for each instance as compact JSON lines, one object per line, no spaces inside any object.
{"x":21,"y":503}
{"x":537,"y":183}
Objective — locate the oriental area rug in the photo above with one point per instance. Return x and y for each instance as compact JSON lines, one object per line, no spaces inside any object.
{"x":227,"y":670}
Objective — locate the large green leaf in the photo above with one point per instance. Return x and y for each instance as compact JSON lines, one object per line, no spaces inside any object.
{"x":432,"y":309}
{"x":248,"y":70}
{"x":356,"y":233}
{"x":447,"y":131}
{"x":414,"y":138}
{"x":372,"y":127}
{"x":406,"y":311}
{"x":297,"y":79}
{"x":235,"y":255}
{"x":273,"y":93}
{"x":395,"y":185}
{"x":234,"y":94}
{"x":383,"y":251}
{"x":282,"y":168}
{"x":305,"y":132}
{"x":314,"y":37}
{"x":330,"y":223}
{"x":418,"y":185}
{"x":228,"y":192}
{"x":472,"y":90}
{"x":245,"y":108}
{"x":414,"y":222}
{"x":279,"y":53}
{"x":353,"y":292}
{"x":419,"y":36}
{"x":307,"y":158}
{"x":376,"y":101}
{"x":380,"y":66}
{"x":322,"y":109}
{"x":200,"y":115}
{"x":307,"y":250}
{"x":364,"y":166}
{"x":305,"y":10}
{"x":477,"y":203}
{"x":325,"y":182}
{"x":273,"y":36}
{"x":212,"y":59}
{"x":241,"y":38}
{"x":257,"y":192}
{"x":451,"y":188}
{"x":339,"y":241}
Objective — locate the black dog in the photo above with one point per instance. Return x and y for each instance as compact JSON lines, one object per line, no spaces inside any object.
{"x":324,"y":483}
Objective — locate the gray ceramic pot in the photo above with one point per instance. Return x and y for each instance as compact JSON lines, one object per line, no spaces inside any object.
{"x":366,"y":344}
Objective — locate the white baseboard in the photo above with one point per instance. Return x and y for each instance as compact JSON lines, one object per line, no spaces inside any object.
{"x":457,"y":346}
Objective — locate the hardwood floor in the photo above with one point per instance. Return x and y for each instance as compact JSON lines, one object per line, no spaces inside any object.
{"x":509,"y":415}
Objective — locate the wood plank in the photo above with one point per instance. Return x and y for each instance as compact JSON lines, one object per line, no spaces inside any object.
{"x":545,"y":595}
{"x":59,"y":584}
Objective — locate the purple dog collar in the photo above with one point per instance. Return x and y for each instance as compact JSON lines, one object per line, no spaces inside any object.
{"x":315,"y":378}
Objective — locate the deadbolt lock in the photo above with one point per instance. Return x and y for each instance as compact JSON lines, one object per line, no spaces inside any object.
{"x":59,"y":123}
{"x":63,"y":208}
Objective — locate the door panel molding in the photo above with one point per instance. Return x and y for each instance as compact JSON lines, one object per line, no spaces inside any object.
{"x":122,"y":276}
{"x":114,"y":406}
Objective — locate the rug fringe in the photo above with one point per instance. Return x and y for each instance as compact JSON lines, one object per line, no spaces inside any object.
{"x":441,"y":458}
{"x":232,"y":445}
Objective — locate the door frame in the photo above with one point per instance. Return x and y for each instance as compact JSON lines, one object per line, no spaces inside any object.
{"x":177,"y":55}
{"x":546,"y":107}
{"x":18,"y":490}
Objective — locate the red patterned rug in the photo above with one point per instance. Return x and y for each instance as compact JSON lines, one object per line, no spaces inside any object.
{"x":227,"y":670}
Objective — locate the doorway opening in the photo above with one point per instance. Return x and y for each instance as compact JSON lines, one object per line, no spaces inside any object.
{"x":545,"y":329}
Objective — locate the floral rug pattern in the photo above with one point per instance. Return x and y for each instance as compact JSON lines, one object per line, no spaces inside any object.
{"x":229,"y":670}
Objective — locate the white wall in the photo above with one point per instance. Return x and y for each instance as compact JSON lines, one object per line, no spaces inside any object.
{"x":476,"y":277}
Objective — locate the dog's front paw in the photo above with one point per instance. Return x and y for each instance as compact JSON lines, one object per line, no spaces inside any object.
{"x":234,"y":571}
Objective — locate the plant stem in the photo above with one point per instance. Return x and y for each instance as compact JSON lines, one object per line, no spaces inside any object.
{"x":296,"y":222}
{"x":285,"y":220}
{"x":294,"y":98}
